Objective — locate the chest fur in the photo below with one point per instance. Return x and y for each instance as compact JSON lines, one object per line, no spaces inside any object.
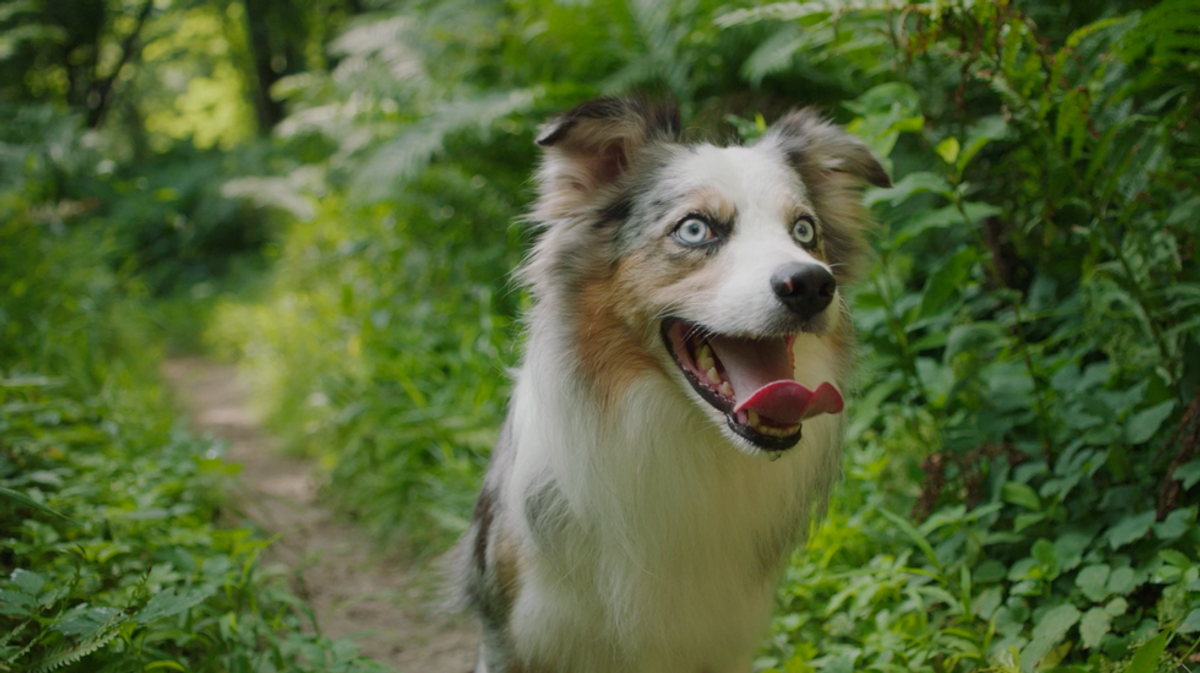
{"x":646,"y":537}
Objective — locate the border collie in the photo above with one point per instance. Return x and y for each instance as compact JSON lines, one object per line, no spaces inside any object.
{"x":676,"y":423}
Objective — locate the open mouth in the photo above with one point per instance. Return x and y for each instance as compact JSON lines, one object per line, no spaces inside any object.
{"x":751,"y":380}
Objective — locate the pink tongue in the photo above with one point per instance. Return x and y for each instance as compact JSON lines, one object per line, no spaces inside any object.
{"x":760,"y":371}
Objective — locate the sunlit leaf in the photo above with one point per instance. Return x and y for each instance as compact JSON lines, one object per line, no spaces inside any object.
{"x":948,"y":149}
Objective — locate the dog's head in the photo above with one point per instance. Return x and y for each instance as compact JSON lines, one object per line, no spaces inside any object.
{"x":713,"y":266}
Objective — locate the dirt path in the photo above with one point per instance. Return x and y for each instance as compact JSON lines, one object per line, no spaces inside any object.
{"x":382,"y":603}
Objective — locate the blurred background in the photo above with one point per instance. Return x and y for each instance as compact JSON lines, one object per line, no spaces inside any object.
{"x":328,"y":193}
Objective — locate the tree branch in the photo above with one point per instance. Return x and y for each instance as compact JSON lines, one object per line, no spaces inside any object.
{"x":99,"y":97}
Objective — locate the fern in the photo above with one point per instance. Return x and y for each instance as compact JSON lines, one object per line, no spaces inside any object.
{"x":20,"y":652}
{"x":774,"y":54}
{"x":404,"y":157}
{"x":64,"y":654}
{"x":1170,"y":33}
{"x":800,"y":11}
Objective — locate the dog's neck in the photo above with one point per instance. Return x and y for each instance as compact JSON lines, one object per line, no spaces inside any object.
{"x":651,"y":431}
{"x":636,"y":504}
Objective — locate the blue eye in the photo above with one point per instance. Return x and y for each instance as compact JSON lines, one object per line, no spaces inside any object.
{"x":694,"y":231}
{"x":804,"y":230}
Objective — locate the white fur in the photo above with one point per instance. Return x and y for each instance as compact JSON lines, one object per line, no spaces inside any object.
{"x":767,"y":197}
{"x":658,"y":569}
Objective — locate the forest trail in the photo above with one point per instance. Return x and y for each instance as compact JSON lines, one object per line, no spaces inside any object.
{"x":382,"y":603}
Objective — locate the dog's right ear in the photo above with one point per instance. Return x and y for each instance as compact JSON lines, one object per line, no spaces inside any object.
{"x":591,"y":147}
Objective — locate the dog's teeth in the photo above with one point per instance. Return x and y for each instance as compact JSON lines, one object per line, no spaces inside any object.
{"x":726,"y":389}
{"x":753,"y":418}
{"x":713,"y":377}
{"x":704,"y":358}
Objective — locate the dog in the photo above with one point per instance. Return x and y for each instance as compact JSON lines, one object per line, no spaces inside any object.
{"x":675,"y":426}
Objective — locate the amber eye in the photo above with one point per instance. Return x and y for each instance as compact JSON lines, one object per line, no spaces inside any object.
{"x":804,"y":230}
{"x":694,"y":231}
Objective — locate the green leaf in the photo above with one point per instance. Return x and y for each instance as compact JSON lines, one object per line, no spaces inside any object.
{"x":1043,"y":551}
{"x":986,"y":603}
{"x":1130,"y":529}
{"x":941,"y":218}
{"x":1141,"y":426}
{"x":1176,"y":524}
{"x":1048,"y":633}
{"x":914,"y":183}
{"x":1188,"y":473}
{"x":1175,"y":558}
{"x":1146,"y":659}
{"x":1069,"y":548}
{"x":30,"y":502}
{"x":973,"y":338}
{"x":1191,"y":623}
{"x":1095,"y":623}
{"x":948,"y":149}
{"x":1026,"y":519}
{"x":28,"y":581}
{"x":1123,"y":580}
{"x":1080,"y":33}
{"x":14,"y":603}
{"x":166,"y":663}
{"x":982,"y":133}
{"x":915,"y":535}
{"x":1021,"y":494}
{"x":1026,"y":568}
{"x":946,"y":280}
{"x":170,"y":603}
{"x":85,"y":622}
{"x":1117,"y":606}
{"x":1092,"y":581}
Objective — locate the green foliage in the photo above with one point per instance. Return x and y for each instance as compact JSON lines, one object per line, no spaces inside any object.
{"x":1022,"y":352}
{"x":117,"y":565}
{"x":112,"y":559}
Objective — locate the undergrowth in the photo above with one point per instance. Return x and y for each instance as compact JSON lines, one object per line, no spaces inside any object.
{"x":112,"y":556}
{"x":1019,"y":491}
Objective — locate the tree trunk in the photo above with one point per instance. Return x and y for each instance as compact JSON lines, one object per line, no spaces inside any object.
{"x":258,"y":31}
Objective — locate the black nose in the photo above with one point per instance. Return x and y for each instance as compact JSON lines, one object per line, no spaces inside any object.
{"x":806,"y":289}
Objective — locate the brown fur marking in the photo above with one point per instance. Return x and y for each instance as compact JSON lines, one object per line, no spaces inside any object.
{"x":611,"y":354}
{"x":483,"y":516}
{"x":507,"y":564}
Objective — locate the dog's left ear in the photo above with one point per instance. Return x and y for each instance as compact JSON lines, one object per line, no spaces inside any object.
{"x":816,"y":147}
{"x":592,"y":147}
